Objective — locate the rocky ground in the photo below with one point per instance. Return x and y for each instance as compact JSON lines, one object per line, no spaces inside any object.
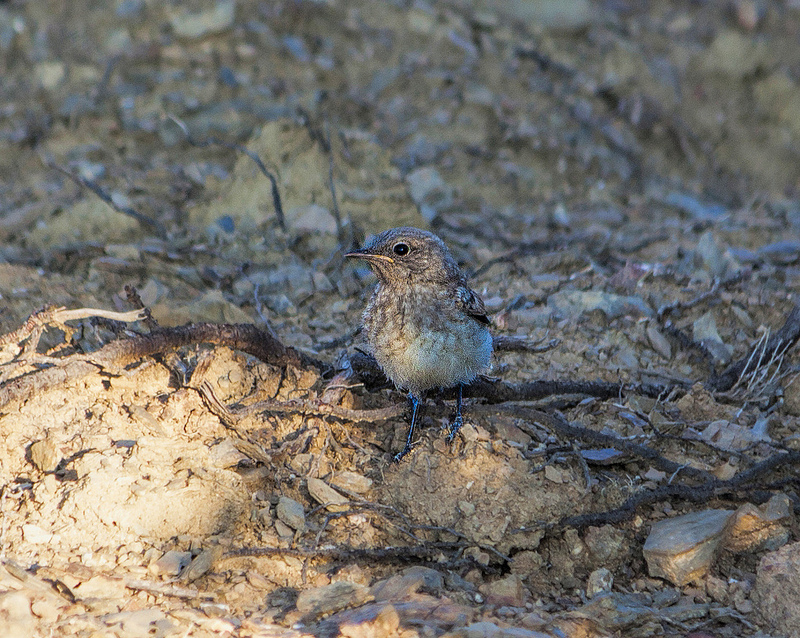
{"x":621,"y":181}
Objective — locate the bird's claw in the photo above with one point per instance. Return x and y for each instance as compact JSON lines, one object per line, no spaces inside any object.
{"x":455,"y":426}
{"x":399,"y":456}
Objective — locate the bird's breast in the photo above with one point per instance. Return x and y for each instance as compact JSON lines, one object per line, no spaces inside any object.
{"x":422,"y":340}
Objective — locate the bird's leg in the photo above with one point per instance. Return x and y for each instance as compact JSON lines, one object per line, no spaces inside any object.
{"x":414,"y":408}
{"x":455,"y":426}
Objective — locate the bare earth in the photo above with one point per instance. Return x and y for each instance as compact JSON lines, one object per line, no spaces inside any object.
{"x":622,"y":181}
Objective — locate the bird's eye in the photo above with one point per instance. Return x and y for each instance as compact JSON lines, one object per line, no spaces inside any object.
{"x":401,"y":249}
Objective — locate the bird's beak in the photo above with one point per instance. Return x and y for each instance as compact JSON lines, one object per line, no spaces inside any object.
{"x":368,"y":256}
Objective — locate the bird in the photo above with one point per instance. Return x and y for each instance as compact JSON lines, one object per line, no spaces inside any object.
{"x":425,"y":326}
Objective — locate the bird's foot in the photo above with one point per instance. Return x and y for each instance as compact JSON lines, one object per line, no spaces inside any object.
{"x":455,"y":426}
{"x":399,"y":456}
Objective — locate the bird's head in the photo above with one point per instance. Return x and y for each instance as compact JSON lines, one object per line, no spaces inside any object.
{"x":408,"y":255}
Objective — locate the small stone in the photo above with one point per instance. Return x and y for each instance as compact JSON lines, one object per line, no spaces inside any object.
{"x":704,"y":330}
{"x":36,"y":535}
{"x":429,"y":191}
{"x":385,"y":623}
{"x":483,"y":629}
{"x":600,"y":580}
{"x":312,"y":218}
{"x":325,"y":495}
{"x":747,"y":14}
{"x":573,"y":303}
{"x":782,"y":252}
{"x":466,"y":508}
{"x":777,"y":590}
{"x":716,"y":259}
{"x":352,"y":573}
{"x":202,"y":563}
{"x":332,"y":598}
{"x":604,"y":456}
{"x":224,"y":454}
{"x":606,"y":544}
{"x":658,"y":341}
{"x":654,"y":475}
{"x":556,"y":475}
{"x":505,"y":591}
{"x":697,"y":210}
{"x":140,"y":623}
{"x":258,"y":581}
{"x":171,"y":563}
{"x":291,"y":512}
{"x":99,"y":587}
{"x":558,"y":15}
{"x":16,"y":618}
{"x":44,"y":455}
{"x":190,"y":24}
{"x":283,"y":530}
{"x":681,"y":549}
{"x":407,"y":583}
{"x":50,"y":74}
{"x":757,"y":528}
{"x":352,"y":482}
{"x":264,"y":516}
{"x":717,"y":588}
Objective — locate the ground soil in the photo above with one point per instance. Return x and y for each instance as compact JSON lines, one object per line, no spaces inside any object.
{"x":620,"y":177}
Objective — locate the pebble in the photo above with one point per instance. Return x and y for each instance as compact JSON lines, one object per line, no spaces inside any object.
{"x":704,"y":330}
{"x":311,"y":218}
{"x":408,"y":582}
{"x":224,"y":454}
{"x":352,"y":482}
{"x":283,"y":530}
{"x":328,"y":599}
{"x":777,"y":590}
{"x":44,"y":455}
{"x":171,"y":563}
{"x":659,"y":342}
{"x":558,"y":15}
{"x":757,"y":528}
{"x":216,"y":19}
{"x":715,"y":258}
{"x":50,"y":74}
{"x":604,"y":456}
{"x":693,"y":207}
{"x":202,"y":563}
{"x":600,"y":581}
{"x":420,"y":150}
{"x":16,"y":618}
{"x":572,"y":303}
{"x":783,"y":252}
{"x":505,"y":591}
{"x":681,"y":549}
{"x":142,"y":623}
{"x":291,"y":513}
{"x":429,"y":191}
{"x":386,"y":622}
{"x":486,"y":629}
{"x":36,"y":535}
{"x":324,"y":494}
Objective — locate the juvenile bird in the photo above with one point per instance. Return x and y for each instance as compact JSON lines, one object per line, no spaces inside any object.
{"x":426,"y":327}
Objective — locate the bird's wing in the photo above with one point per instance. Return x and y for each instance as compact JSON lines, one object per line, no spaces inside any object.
{"x":469,"y":301}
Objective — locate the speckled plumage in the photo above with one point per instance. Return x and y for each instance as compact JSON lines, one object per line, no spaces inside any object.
{"x":426,"y":327}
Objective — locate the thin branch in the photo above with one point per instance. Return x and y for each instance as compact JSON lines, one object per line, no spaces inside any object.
{"x":401,"y":553}
{"x":155,"y":224}
{"x":123,"y":352}
{"x":213,"y":141}
{"x":691,"y":493}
